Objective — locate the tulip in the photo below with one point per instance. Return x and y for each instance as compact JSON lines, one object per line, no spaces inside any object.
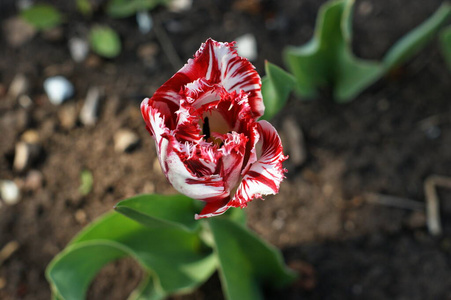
{"x":209,"y":142}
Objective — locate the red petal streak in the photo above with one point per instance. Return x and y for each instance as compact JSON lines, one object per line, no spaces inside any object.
{"x":264,"y":176}
{"x":212,"y":209}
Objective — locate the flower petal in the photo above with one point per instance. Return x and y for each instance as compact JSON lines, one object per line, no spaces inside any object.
{"x":218,"y":63}
{"x":212,"y":209}
{"x":264,"y":175}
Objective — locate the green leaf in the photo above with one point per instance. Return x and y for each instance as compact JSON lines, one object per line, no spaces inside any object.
{"x":85,"y":7}
{"x":42,"y":16}
{"x":105,"y":41}
{"x":161,"y":210}
{"x":176,"y":259}
{"x":127,"y":8}
{"x":415,"y":40}
{"x":86,"y":182}
{"x":327,"y":60}
{"x":445,"y":44}
{"x":276,"y":87}
{"x":246,"y":262}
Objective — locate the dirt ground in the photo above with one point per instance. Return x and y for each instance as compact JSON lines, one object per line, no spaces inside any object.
{"x":384,"y":143}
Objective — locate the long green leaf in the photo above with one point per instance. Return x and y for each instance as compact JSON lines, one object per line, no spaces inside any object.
{"x":415,"y":40}
{"x":177,"y":259}
{"x":276,"y":87}
{"x":445,"y":45}
{"x":246,"y":262}
{"x":161,"y":210}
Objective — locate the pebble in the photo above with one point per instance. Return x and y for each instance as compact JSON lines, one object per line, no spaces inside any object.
{"x":25,"y":101}
{"x":9,"y":192}
{"x":30,"y":136}
{"x":81,"y":217}
{"x":125,"y":140}
{"x":17,"y":31}
{"x":246,"y":46}
{"x":25,"y":154}
{"x":145,"y":22}
{"x":24,"y":4}
{"x":79,"y":49}
{"x":294,"y":141}
{"x":67,"y":115}
{"x":19,"y":86}
{"x":88,"y":113}
{"x":53,"y":34}
{"x":58,"y":89}
{"x":179,"y":5}
{"x":417,"y":219}
{"x":147,"y":52}
{"x":34,"y":180}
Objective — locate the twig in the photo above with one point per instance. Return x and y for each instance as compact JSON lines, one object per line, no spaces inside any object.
{"x":393,"y":201}
{"x":167,"y":45}
{"x":433,"y":203}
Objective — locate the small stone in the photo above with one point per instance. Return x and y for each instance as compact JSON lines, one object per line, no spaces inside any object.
{"x":34,"y":180}
{"x":58,"y":89}
{"x":80,"y":216}
{"x":417,"y":219}
{"x":145,"y":22}
{"x":54,"y":34}
{"x":246,"y":46}
{"x":18,"y":86}
{"x":30,"y":136}
{"x":24,"y":4}
{"x":125,"y":140}
{"x":365,"y":8}
{"x":294,"y":141}
{"x":147,"y":52}
{"x":79,"y":49}
{"x":93,"y":61}
{"x":67,"y":115}
{"x":9,"y":192}
{"x":180,"y":5}
{"x":88,"y":113}
{"x":432,"y":132}
{"x":25,"y":155}
{"x":18,"y":32}
{"x":25,"y":101}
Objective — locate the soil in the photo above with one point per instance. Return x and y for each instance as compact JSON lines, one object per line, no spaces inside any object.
{"x":385,"y":143}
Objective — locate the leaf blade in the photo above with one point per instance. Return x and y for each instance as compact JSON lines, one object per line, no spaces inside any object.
{"x":161,"y":210}
{"x":245,"y":261}
{"x":416,"y":39}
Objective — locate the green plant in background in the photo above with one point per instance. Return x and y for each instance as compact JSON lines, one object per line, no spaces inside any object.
{"x":42,"y":16}
{"x":327,"y":59}
{"x":86,"y":182}
{"x":127,"y":8}
{"x":276,"y":87}
{"x":105,"y":41}
{"x":445,"y":44}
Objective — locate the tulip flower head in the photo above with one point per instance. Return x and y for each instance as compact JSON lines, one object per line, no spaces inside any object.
{"x":210,"y":144}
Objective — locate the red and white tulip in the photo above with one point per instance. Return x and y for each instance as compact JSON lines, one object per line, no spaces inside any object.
{"x":209,"y":143}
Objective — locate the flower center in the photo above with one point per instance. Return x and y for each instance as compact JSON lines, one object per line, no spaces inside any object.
{"x":214,"y":125}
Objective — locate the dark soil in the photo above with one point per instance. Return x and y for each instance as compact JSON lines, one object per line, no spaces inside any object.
{"x":387,"y":142}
